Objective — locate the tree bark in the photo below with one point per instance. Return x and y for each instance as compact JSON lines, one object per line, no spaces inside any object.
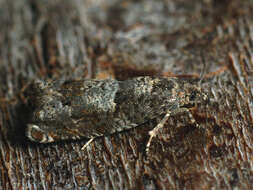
{"x":123,"y":39}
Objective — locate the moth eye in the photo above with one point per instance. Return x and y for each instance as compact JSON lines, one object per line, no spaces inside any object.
{"x":55,"y":104}
{"x":193,"y":96}
{"x":66,"y":103}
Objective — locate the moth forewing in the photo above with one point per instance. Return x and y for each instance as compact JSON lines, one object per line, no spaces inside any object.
{"x":92,"y":108}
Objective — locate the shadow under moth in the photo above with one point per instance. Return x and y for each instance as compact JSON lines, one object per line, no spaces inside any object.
{"x":92,"y":108}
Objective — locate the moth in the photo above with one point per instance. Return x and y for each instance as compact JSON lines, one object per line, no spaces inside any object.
{"x":93,"y":108}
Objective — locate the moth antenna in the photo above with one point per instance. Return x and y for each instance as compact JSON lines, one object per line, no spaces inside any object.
{"x":202,"y":74}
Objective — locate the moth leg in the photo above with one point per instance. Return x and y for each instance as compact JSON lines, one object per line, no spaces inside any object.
{"x":154,"y":131}
{"x":87,"y":144}
{"x":181,"y":110}
{"x":193,"y":121}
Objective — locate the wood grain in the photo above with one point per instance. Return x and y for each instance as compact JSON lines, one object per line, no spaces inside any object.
{"x":121,"y":39}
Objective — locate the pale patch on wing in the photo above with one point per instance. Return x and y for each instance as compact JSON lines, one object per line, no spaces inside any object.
{"x":35,"y":133}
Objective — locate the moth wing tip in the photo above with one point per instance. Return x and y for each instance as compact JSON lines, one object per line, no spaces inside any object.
{"x":36,"y":134}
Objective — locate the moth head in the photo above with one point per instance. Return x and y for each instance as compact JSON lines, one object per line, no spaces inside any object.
{"x":193,"y":95}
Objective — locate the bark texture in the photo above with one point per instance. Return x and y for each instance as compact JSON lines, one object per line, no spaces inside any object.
{"x":62,"y":39}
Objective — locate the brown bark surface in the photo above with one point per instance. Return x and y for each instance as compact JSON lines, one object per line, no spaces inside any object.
{"x":62,"y":39}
